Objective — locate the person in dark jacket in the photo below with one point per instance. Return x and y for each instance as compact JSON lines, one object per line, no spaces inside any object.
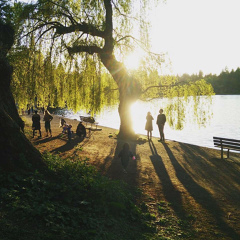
{"x":62,"y":122}
{"x":48,"y":118}
{"x":69,"y":132}
{"x":36,"y":123}
{"x":161,"y":119}
{"x":148,"y":125}
{"x":81,"y":130}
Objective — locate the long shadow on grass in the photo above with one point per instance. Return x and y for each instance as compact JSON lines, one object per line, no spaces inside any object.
{"x":45,"y":139}
{"x":104,"y":166}
{"x":69,"y":145}
{"x":201,"y":195}
{"x":171,"y":194}
{"x":214,"y":170}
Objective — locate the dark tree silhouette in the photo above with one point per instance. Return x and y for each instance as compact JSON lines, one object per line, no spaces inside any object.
{"x":14,"y":146}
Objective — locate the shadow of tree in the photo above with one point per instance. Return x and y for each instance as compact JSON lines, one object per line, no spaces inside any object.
{"x":201,"y":195}
{"x":45,"y":140}
{"x":171,"y":194}
{"x":217,"y":168}
{"x":230,"y":169}
{"x":69,"y":145}
{"x":106,"y":164}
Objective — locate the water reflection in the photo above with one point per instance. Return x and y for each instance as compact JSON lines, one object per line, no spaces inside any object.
{"x":180,"y":112}
{"x":199,"y":121}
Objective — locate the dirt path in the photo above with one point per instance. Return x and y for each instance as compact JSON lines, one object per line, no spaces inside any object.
{"x":193,"y":181}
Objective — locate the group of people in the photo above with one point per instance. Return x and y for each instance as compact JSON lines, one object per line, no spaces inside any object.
{"x":67,"y":128}
{"x":36,"y":123}
{"x":161,"y":119}
{"x":124,"y":154}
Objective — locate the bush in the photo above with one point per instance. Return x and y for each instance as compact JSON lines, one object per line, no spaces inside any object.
{"x":71,"y":201}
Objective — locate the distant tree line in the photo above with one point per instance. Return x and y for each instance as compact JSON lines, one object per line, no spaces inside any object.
{"x":226,"y":83}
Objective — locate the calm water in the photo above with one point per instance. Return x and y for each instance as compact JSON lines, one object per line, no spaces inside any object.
{"x":223,"y":122}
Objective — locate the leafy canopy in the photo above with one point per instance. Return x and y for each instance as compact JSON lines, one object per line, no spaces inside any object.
{"x":88,"y":28}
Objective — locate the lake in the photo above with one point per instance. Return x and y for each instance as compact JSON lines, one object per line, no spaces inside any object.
{"x":223,"y":120}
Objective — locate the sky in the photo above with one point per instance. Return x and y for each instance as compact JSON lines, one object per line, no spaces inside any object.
{"x":198,"y":35}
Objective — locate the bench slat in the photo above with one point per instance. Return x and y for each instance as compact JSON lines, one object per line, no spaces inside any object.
{"x":227,"y":143}
{"x":226,"y":139}
{"x":224,"y":142}
{"x":227,"y":147}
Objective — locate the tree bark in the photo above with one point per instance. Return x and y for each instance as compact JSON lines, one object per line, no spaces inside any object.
{"x":129,"y":91}
{"x":15,"y":149}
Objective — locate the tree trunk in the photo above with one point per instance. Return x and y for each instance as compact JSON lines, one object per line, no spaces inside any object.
{"x":15,"y":149}
{"x":126,"y":127}
{"x":129,"y":90}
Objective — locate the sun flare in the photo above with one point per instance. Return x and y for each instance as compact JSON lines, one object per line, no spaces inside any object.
{"x":132,"y":60}
{"x":138,"y":114}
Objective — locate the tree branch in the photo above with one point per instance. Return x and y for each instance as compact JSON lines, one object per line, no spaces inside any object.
{"x":82,"y":27}
{"x":69,"y":15}
{"x":119,"y":11}
{"x":158,"y":86}
{"x":127,"y":36}
{"x":88,"y":49}
{"x":167,"y":86}
{"x":109,"y":26}
{"x":47,"y":30}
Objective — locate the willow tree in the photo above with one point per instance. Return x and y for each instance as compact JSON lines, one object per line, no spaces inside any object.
{"x":99,"y":28}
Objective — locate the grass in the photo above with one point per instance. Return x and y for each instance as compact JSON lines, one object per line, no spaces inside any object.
{"x":71,"y":201}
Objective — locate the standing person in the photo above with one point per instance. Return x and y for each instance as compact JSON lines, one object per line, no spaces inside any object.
{"x":125,"y":154}
{"x":148,"y":125}
{"x":36,"y":123}
{"x":161,"y":119}
{"x":69,"y":132}
{"x":62,"y":122}
{"x":28,"y":109}
{"x":48,"y":118}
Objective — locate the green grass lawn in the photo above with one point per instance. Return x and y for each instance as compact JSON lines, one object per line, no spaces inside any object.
{"x":70,"y":200}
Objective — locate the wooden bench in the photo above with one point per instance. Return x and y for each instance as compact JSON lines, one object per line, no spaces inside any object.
{"x":90,"y":120}
{"x":226,"y":143}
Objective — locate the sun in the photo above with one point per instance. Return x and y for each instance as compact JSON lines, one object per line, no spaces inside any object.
{"x":132,"y":60}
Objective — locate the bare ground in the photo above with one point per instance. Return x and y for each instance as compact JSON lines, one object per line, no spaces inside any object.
{"x":192,"y":181}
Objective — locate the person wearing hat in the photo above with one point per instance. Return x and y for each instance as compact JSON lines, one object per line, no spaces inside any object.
{"x":161,"y":119}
